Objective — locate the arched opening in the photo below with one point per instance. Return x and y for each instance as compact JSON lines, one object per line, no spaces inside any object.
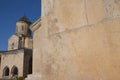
{"x":6,"y":71}
{"x":0,"y":60}
{"x":22,"y":28}
{"x":30,"y":66}
{"x":14,"y":71}
{"x":12,"y":46}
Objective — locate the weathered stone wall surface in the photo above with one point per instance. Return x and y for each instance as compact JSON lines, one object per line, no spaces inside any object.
{"x":10,"y":59}
{"x":13,"y":42}
{"x":28,"y":42}
{"x":78,"y":40}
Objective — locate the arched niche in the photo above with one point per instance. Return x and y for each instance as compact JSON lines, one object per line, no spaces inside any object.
{"x":6,"y":71}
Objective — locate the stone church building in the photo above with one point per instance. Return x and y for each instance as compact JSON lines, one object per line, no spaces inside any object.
{"x":73,"y":40}
{"x":77,"y":40}
{"x":17,"y":61}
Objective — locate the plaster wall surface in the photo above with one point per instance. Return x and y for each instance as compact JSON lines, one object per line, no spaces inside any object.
{"x":78,"y":40}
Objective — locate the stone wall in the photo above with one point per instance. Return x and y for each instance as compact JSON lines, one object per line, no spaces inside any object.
{"x":78,"y":40}
{"x":28,"y":43}
{"x":18,"y":58}
{"x":10,"y":59}
{"x":13,"y":42}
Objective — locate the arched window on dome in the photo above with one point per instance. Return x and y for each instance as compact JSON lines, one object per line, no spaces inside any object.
{"x":12,"y":46}
{"x":22,"y":28}
{"x":0,"y":60}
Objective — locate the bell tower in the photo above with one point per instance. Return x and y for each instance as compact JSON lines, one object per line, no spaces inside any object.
{"x":22,"y":38}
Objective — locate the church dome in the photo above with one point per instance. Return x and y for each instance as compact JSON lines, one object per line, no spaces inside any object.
{"x":25,"y":19}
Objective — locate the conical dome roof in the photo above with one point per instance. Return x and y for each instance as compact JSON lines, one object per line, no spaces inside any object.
{"x":25,"y":19}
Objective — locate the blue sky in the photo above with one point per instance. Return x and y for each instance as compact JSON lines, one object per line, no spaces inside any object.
{"x":11,"y":11}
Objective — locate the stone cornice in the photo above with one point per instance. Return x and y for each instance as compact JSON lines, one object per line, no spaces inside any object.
{"x":35,"y":25}
{"x":16,"y":51}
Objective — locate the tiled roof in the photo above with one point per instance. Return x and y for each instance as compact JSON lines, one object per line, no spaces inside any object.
{"x":25,"y":19}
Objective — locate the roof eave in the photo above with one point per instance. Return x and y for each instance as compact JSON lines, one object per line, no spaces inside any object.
{"x":35,"y":25}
